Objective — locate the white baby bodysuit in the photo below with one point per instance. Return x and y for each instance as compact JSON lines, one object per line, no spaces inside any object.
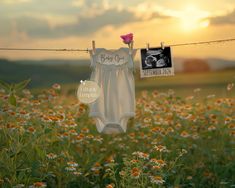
{"x":113,"y":70}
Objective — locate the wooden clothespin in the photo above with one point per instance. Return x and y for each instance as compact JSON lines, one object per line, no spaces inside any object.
{"x":93,"y":47}
{"x":162,"y":45}
{"x":147,"y":47}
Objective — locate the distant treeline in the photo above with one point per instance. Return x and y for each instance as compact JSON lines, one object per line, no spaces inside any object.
{"x":42,"y":75}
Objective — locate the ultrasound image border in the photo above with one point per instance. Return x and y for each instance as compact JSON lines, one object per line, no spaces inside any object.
{"x":157,"y":71}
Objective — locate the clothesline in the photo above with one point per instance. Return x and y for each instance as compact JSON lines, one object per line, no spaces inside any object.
{"x":86,"y":50}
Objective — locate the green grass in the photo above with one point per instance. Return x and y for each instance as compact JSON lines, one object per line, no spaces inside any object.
{"x":54,"y":141}
{"x":183,"y":84}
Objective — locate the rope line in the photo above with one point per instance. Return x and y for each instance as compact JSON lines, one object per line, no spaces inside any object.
{"x":44,"y":49}
{"x":204,"y":42}
{"x":86,"y":50}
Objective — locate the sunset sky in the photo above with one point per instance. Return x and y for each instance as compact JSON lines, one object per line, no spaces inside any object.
{"x":75,"y":23}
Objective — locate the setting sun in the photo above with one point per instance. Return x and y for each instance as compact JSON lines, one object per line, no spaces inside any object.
{"x":192,"y":17}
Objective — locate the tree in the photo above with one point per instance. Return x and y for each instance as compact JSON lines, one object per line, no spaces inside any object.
{"x":196,"y":65}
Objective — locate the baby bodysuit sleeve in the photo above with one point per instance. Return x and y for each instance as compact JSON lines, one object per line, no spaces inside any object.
{"x":131,"y":63}
{"x":92,"y":59}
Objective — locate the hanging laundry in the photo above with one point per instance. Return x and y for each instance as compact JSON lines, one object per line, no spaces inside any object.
{"x":113,"y":70}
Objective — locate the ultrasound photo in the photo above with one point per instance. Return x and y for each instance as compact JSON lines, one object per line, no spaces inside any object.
{"x":156,"y":61}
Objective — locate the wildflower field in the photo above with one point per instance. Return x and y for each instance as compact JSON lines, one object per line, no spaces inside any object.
{"x":48,"y":140}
